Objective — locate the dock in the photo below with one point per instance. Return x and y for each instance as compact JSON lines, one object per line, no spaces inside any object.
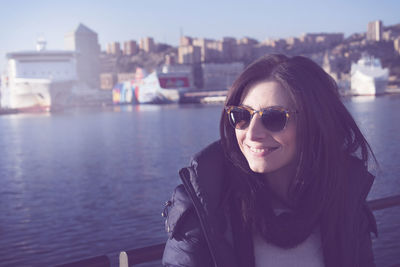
{"x":392,"y":91}
{"x":217,"y":96}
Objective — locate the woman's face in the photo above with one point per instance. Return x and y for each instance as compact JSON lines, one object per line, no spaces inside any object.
{"x":264,"y":150}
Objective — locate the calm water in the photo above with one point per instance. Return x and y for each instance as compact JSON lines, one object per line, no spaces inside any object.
{"x":90,"y":182}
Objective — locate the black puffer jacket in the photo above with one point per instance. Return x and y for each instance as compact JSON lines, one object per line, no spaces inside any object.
{"x":198,"y":226}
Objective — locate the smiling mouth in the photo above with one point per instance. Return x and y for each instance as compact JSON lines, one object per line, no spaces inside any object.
{"x":262,"y":150}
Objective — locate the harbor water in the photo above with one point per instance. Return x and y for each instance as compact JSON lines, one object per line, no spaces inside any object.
{"x":88,"y":182}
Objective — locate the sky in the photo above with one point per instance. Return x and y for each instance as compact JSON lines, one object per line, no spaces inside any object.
{"x":22,"y":22}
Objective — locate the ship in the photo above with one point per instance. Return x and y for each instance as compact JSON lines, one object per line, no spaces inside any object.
{"x":38,"y":80}
{"x":165,"y":85}
{"x":368,"y":77}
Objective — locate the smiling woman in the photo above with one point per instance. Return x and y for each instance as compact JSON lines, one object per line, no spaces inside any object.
{"x":287,"y":183}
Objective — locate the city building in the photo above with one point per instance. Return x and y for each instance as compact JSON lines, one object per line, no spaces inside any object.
{"x":220,"y":76}
{"x":130,"y":48}
{"x":292,"y":41}
{"x":189,"y":54}
{"x":322,"y":39}
{"x":374,"y":31}
{"x":215,"y":51}
{"x":147,"y":44}
{"x":107,"y":80}
{"x":396,"y":44}
{"x":248,"y":40}
{"x":185,"y":40}
{"x":114,"y":48}
{"x":262,"y":49}
{"x":228,"y":48}
{"x":170,"y":59}
{"x":244,"y":49}
{"x":204,"y":50}
{"x":84,"y":42}
{"x":276,"y":43}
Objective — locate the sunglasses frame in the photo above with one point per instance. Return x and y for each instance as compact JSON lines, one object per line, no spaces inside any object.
{"x":260,"y":112}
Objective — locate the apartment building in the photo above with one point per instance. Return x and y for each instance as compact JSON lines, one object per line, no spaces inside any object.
{"x":396,"y":44}
{"x":113,"y":48}
{"x":374,"y":31}
{"x":130,"y":48}
{"x":226,"y":50}
{"x":189,"y":54}
{"x":220,"y":76}
{"x":107,"y":80}
{"x":147,"y":44}
{"x":322,"y":39}
{"x":185,"y":41}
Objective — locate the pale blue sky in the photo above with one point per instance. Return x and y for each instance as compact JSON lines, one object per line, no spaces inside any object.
{"x":23,"y":21}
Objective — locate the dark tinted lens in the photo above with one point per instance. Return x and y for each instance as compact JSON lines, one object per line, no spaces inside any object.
{"x":274,"y":120}
{"x":239,"y":118}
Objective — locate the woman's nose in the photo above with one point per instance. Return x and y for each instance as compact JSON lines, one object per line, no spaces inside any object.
{"x":256,"y":129}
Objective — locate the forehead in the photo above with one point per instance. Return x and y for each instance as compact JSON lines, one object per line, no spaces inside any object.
{"x":266,"y":94}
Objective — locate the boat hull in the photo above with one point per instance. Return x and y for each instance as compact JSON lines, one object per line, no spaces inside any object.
{"x":160,"y":96}
{"x":364,"y":85}
{"x":36,"y":95}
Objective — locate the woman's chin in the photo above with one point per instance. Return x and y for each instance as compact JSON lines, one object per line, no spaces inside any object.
{"x":259,"y":169}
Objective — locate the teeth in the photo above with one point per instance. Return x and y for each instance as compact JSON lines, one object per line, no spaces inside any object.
{"x":257,"y":150}
{"x":260,"y":150}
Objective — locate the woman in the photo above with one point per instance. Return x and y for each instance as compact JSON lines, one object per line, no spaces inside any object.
{"x":287,"y":183}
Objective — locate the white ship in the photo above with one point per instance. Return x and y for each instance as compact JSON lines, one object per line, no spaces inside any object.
{"x":38,"y":80}
{"x":368,"y":77}
{"x":163,"y":86}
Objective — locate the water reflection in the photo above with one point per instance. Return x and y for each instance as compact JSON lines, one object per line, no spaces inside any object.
{"x":362,"y":99}
{"x":123,"y":108}
{"x":149,"y":107}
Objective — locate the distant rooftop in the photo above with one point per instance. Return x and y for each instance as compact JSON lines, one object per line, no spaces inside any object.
{"x":82,"y":29}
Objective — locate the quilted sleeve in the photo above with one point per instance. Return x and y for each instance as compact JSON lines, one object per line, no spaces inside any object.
{"x":186,"y":245}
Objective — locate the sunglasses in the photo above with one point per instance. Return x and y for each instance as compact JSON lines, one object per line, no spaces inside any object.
{"x":274,"y":119}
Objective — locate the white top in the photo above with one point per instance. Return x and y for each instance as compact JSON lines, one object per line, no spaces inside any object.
{"x":307,"y":254}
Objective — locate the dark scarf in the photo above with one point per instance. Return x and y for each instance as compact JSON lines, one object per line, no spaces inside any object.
{"x":285,"y":230}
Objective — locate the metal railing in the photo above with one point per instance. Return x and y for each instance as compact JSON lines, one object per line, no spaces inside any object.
{"x":99,"y":261}
{"x":152,"y":253}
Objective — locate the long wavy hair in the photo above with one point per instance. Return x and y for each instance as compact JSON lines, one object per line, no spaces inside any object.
{"x":327,"y":138}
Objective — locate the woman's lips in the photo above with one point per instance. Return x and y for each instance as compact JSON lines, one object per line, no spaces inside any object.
{"x":261,"y":151}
